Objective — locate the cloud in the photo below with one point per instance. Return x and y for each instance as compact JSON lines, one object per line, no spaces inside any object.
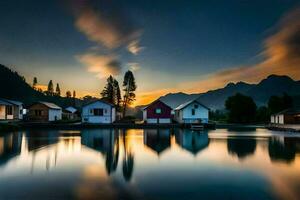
{"x":281,"y":56}
{"x":102,"y":65}
{"x":106,"y":24}
{"x":134,"y":47}
{"x":134,"y":66}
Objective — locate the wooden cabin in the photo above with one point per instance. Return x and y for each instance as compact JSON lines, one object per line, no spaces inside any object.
{"x":11,"y":110}
{"x":157,"y":112}
{"x":288,"y":116}
{"x":44,"y":112}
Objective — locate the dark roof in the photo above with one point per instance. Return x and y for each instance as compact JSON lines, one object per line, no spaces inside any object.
{"x":4,"y":103}
{"x":17,"y":103}
{"x":180,"y":107}
{"x":47,"y":104}
{"x":290,"y":111}
{"x":112,"y":105}
{"x":157,"y":100}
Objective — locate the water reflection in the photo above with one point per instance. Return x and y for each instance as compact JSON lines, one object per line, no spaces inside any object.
{"x":241,"y":147}
{"x":157,"y":139}
{"x":193,"y":142}
{"x":10,"y":146}
{"x":114,"y":164}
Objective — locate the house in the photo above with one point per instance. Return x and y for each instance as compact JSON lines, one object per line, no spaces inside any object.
{"x":44,"y":112}
{"x":157,"y":112}
{"x":70,"y":113}
{"x":191,"y":112}
{"x":11,"y":110}
{"x":288,"y":116}
{"x":99,"y":111}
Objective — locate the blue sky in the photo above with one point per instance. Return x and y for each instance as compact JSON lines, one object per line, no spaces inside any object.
{"x":176,"y":45}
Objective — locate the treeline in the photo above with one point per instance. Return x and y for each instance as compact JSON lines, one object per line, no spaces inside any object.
{"x":50,"y":89}
{"x":112,"y":92}
{"x":242,"y":109}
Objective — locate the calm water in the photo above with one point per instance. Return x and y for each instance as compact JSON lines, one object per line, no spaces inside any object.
{"x":149,"y":164}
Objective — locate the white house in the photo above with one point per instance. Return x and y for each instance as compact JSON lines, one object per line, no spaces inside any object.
{"x":288,"y":116}
{"x":191,"y":112}
{"x":11,"y":110}
{"x":98,"y":112}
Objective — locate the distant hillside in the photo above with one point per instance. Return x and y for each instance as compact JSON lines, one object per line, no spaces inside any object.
{"x":261,"y":92}
{"x":14,"y":87}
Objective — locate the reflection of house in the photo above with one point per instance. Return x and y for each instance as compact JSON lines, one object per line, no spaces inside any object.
{"x":191,"y":112}
{"x":241,"y":147}
{"x":157,"y":139}
{"x":70,"y":113}
{"x":283,"y":149}
{"x":11,"y":110}
{"x":10,"y":146}
{"x":289,"y":116}
{"x":104,"y":141}
{"x":192,"y":141}
{"x":99,"y":112}
{"x":44,"y":112}
{"x":157,"y":112}
{"x":40,"y":139}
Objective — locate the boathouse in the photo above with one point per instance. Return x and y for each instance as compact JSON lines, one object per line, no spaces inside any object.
{"x":157,"y":112}
{"x":288,"y":116}
{"x":11,"y":110}
{"x":44,"y":112}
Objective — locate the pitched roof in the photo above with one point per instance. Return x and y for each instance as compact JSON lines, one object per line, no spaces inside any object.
{"x":157,"y":100}
{"x":4,"y":103}
{"x":180,"y":107}
{"x":17,"y":103}
{"x":290,"y":111}
{"x":50,"y":105}
{"x":71,"y":109}
{"x":112,"y":105}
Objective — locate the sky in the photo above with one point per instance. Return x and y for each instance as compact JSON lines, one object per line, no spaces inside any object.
{"x":171,"y":45}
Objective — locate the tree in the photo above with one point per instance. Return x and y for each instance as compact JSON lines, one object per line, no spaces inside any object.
{"x":117,"y":94}
{"x":279,"y":103}
{"x":74,"y":94}
{"x":68,"y":94}
{"x":242,"y":109}
{"x":262,"y":115}
{"x":50,"y":90}
{"x":108,"y":92}
{"x":34,"y":83}
{"x":129,"y":87}
{"x":57,"y":90}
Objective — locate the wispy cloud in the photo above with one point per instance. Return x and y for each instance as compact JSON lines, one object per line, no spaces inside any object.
{"x":134,"y":47}
{"x":134,"y":66}
{"x":102,"y":65}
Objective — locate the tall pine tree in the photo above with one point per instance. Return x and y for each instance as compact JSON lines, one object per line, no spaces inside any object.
{"x":34,"y":84}
{"x":108,"y":92}
{"x":50,"y":90}
{"x":117,"y":94}
{"x":57,"y":90}
{"x":129,"y":87}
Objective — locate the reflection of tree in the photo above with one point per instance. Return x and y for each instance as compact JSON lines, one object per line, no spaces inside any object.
{"x":192,"y":141}
{"x":112,"y":156}
{"x":241,"y":147}
{"x":283,"y":150}
{"x":128,"y":161}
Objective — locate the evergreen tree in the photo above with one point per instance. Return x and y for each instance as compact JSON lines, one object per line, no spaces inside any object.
{"x":129,"y":87}
{"x":74,"y":94}
{"x":117,"y":92}
{"x":279,"y":103}
{"x":50,"y":90}
{"x":57,"y":90}
{"x":34,"y":83}
{"x":68,"y":94}
{"x":108,"y":92}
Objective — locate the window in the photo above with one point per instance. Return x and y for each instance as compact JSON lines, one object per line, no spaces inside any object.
{"x":38,"y":113}
{"x":98,"y":112}
{"x":9,"y":110}
{"x":157,"y":111}
{"x":196,"y":106}
{"x":193,"y":111}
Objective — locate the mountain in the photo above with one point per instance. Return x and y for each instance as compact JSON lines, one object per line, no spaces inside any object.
{"x":14,"y":87}
{"x":261,"y":92}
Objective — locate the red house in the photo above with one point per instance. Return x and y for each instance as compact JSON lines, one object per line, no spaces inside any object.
{"x":157,"y":113}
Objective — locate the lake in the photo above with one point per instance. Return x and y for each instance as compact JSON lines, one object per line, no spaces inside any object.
{"x":149,"y":164}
